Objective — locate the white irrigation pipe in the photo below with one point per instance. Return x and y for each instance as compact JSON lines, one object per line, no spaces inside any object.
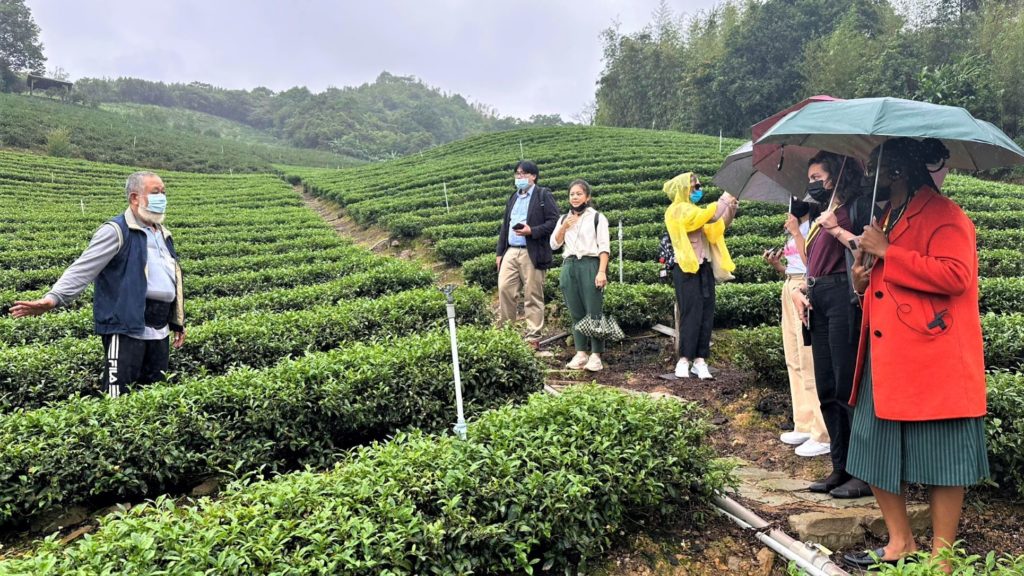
{"x":447,"y":209}
{"x":460,"y":423}
{"x":809,"y":559}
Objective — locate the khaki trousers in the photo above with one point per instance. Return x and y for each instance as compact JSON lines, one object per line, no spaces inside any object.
{"x":802,"y":389}
{"x":517,"y":273}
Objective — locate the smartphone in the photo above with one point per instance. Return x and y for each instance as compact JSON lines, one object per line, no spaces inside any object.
{"x":519,"y":226}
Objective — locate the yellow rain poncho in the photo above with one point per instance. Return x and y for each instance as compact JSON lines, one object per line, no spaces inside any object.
{"x":683,"y":217}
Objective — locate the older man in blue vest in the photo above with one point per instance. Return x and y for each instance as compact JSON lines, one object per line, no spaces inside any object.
{"x":137,"y":302}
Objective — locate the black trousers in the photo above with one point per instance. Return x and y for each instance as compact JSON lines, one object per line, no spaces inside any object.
{"x":695,"y":294}
{"x":132,"y":361}
{"x":835,"y":352}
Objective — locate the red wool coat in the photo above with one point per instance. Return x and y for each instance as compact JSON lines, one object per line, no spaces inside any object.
{"x":921,"y":317}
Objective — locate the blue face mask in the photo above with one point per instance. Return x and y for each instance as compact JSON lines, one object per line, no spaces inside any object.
{"x":157,"y":203}
{"x":696,"y":195}
{"x":522,"y":183}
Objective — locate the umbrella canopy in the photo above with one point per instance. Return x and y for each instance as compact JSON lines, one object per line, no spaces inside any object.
{"x":762,"y":152}
{"x":856,"y":127}
{"x":738,"y":176}
{"x":786,"y":166}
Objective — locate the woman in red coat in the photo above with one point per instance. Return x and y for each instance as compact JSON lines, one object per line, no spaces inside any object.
{"x":919,"y":391}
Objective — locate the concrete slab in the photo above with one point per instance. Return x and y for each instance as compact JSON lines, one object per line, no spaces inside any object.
{"x":784,"y":484}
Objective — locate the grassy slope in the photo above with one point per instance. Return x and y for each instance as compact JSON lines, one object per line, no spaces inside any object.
{"x":170,"y":140}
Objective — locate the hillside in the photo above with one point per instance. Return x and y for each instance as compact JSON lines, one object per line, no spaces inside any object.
{"x":199,"y":123}
{"x":140,"y":137}
{"x":392,"y":116}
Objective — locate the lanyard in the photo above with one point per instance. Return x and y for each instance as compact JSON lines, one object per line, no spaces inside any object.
{"x":815,"y":230}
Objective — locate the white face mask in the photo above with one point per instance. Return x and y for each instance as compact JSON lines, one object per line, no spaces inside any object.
{"x":522,"y":183}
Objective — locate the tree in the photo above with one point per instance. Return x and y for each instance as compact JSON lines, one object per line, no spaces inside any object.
{"x":20,"y":49}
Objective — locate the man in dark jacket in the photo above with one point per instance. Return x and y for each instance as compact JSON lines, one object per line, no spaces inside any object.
{"x":138,"y":298}
{"x":524,"y":252}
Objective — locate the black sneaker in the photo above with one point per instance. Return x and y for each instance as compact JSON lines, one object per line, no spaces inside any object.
{"x":852,"y":488}
{"x":833,"y":481}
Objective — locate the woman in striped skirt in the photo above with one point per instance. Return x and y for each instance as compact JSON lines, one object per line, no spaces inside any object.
{"x":920,"y":376}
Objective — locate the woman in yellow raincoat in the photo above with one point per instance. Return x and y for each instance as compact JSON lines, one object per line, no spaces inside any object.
{"x":699,"y":258}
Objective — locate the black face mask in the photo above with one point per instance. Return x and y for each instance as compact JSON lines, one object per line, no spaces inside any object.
{"x":800,"y":209}
{"x":582,"y":208}
{"x":817,"y":191}
{"x":867,"y":188}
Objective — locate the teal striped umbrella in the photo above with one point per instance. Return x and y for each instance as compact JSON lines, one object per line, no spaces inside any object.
{"x":856,"y":127}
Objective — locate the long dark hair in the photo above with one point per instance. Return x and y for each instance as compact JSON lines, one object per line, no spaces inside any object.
{"x":844,"y":171}
{"x":912,"y":157}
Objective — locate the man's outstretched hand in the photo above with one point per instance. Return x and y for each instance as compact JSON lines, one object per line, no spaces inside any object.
{"x":25,"y":308}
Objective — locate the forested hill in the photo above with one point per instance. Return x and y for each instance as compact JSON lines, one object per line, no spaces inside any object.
{"x":393,"y":116}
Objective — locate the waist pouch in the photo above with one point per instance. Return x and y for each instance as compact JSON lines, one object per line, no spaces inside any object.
{"x":157,"y":313}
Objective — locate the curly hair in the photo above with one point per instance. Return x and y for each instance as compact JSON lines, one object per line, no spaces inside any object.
{"x":846,"y":169}
{"x":912,"y":157}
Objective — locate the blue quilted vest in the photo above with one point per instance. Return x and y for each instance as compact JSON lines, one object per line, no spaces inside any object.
{"x":119,"y":301}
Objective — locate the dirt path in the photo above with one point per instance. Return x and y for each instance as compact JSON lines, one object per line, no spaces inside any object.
{"x":378,"y":239}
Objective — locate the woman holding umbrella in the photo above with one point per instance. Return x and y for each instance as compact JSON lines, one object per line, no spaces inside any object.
{"x":830,"y":309}
{"x":920,"y":374}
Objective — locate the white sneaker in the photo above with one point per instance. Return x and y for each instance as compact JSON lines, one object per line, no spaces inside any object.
{"x":594,"y":364}
{"x":682,"y":368}
{"x":794,"y":438}
{"x":701,"y":370}
{"x":578,"y":361}
{"x":812,"y":448}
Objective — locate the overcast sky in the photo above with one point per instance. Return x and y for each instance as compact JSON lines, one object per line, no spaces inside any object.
{"x":522,"y":58}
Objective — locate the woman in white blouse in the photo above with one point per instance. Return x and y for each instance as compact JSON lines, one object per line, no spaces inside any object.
{"x":584,"y":234}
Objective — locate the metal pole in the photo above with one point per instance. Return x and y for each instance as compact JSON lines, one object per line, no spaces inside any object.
{"x":521,"y":154}
{"x":868,"y":260}
{"x":446,"y":197}
{"x":807,"y":558}
{"x":81,"y":202}
{"x":620,"y":251}
{"x":719,"y":140}
{"x":460,"y":423}
{"x":878,"y":166}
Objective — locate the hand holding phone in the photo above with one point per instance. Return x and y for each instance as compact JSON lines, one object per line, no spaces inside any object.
{"x":519,"y":226}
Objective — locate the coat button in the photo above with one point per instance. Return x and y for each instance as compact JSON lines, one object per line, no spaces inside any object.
{"x":878,"y":333}
{"x":878,"y":294}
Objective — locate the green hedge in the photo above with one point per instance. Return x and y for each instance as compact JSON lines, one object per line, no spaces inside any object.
{"x":1005,"y":428}
{"x":298,"y":413}
{"x":384,"y":276}
{"x":1004,"y":340}
{"x":32,"y":375}
{"x":535,"y":488}
{"x":637,"y":306}
{"x":759,"y":350}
